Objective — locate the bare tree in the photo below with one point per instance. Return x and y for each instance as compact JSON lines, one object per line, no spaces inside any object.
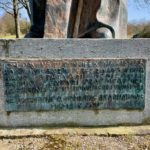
{"x":25,"y":4}
{"x":142,"y":3}
{"x":16,"y":17}
{"x":12,"y":7}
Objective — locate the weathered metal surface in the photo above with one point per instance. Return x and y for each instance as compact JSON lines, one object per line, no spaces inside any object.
{"x":76,"y":18}
{"x":57,"y":18}
{"x":91,"y":84}
{"x":114,"y":13}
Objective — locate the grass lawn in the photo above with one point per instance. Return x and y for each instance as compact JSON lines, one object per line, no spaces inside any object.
{"x":10,"y":36}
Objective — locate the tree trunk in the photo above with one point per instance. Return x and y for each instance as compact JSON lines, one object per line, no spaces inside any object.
{"x":16,"y":18}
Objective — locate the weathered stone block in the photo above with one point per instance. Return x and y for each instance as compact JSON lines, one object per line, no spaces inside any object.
{"x":97,"y":82}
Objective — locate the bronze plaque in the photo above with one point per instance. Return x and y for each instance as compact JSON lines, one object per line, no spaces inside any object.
{"x":71,"y":84}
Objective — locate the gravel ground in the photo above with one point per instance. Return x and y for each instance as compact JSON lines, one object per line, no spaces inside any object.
{"x":76,"y":142}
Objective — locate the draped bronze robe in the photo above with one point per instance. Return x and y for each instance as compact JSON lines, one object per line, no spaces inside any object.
{"x":85,"y":18}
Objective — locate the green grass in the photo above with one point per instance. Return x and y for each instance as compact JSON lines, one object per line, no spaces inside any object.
{"x":10,"y":36}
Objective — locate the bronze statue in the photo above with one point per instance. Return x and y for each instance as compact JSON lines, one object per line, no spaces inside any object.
{"x":84,"y":18}
{"x":38,"y":19}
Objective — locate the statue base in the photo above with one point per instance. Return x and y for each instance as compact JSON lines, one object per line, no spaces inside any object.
{"x":74,"y":82}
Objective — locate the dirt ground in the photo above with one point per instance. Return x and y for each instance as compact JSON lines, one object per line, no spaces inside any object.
{"x":75,"y":142}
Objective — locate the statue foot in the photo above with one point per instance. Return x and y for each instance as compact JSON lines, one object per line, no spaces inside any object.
{"x":102,"y":33}
{"x":99,"y":33}
{"x":33,"y":35}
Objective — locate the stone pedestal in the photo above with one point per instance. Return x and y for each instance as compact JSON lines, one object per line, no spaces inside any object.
{"x":74,"y":82}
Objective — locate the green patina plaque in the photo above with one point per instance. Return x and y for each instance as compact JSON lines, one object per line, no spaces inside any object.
{"x":91,"y":84}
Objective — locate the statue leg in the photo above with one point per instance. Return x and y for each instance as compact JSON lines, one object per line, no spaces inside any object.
{"x":38,"y":19}
{"x":114,"y":14}
{"x":87,"y":24}
{"x":103,"y":19}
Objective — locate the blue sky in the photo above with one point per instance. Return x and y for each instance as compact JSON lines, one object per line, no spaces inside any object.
{"x":135,"y":13}
{"x":138,"y":13}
